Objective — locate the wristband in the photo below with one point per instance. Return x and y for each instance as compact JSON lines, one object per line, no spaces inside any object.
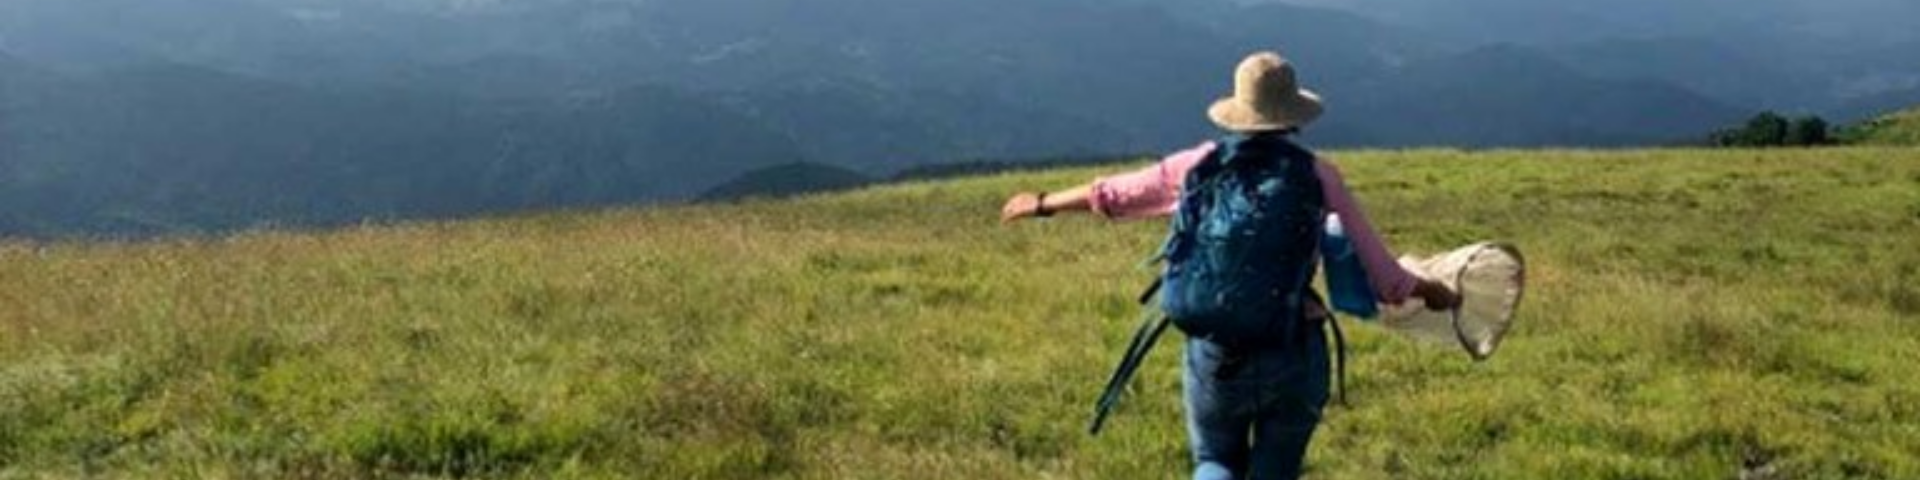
{"x":1040,"y":207}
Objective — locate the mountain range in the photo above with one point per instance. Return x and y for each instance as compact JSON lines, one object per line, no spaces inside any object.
{"x":156,"y":116}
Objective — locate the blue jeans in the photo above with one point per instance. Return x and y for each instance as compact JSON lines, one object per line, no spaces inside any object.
{"x":1250,"y":414}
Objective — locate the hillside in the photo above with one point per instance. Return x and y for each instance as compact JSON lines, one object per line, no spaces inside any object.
{"x":787,"y":180}
{"x":1898,"y":128}
{"x":173,"y":148}
{"x":1726,"y":74}
{"x":349,"y":111}
{"x":1693,"y":314}
{"x":1505,"y":88}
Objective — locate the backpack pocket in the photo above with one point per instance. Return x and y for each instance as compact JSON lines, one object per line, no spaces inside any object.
{"x":1234,"y":306}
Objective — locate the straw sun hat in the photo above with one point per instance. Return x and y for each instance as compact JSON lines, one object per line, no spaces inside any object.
{"x":1266,"y":96}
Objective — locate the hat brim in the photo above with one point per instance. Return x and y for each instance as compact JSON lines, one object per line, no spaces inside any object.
{"x":1235,"y":114}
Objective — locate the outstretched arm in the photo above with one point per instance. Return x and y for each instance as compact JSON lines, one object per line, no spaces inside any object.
{"x":1043,"y":204}
{"x":1150,"y":192}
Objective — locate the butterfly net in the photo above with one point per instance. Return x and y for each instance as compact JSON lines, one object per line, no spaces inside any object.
{"x":1490,"y":278}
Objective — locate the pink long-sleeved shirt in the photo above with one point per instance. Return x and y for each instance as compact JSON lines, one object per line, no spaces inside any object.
{"x":1154,"y":191}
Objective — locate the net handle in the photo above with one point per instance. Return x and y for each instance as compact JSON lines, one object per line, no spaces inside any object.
{"x":1459,"y":279}
{"x":1460,"y":331}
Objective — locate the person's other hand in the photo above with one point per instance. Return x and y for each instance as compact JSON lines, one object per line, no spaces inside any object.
{"x":1022,"y":205}
{"x":1436,"y":295}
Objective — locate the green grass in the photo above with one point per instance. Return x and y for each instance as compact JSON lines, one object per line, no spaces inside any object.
{"x":1692,"y":314}
{"x":1896,"y":129}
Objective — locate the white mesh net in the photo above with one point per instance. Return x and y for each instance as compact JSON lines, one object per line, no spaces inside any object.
{"x":1490,"y":278}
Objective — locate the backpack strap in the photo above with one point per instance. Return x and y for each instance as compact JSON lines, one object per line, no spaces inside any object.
{"x":1152,"y":326}
{"x":1340,"y":356}
{"x":1198,"y":178}
{"x":1153,"y":322}
{"x":1295,"y":151}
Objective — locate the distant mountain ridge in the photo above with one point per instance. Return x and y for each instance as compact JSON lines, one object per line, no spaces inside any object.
{"x":197,"y":149}
{"x":1511,"y":96}
{"x":1704,"y":66}
{"x":222,"y":114}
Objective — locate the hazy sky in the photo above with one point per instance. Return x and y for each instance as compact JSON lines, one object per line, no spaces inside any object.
{"x":1878,"y":20}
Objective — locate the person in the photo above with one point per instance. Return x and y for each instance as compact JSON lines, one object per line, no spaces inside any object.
{"x":1249,"y":413}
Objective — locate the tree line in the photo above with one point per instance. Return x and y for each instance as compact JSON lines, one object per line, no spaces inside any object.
{"x":1771,"y":129}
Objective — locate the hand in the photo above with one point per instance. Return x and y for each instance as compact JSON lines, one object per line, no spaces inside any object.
{"x":1022,"y":205}
{"x":1436,"y":295}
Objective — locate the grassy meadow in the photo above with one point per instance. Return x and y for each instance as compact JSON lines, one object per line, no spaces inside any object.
{"x":1693,"y":314}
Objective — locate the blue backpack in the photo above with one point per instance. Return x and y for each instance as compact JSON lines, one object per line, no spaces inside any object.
{"x":1240,"y":255}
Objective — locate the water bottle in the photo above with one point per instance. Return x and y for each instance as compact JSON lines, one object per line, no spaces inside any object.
{"x":1347,"y":285}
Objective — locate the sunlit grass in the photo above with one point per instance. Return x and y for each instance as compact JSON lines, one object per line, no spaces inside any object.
{"x":1895,"y":129}
{"x":1693,"y":314}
